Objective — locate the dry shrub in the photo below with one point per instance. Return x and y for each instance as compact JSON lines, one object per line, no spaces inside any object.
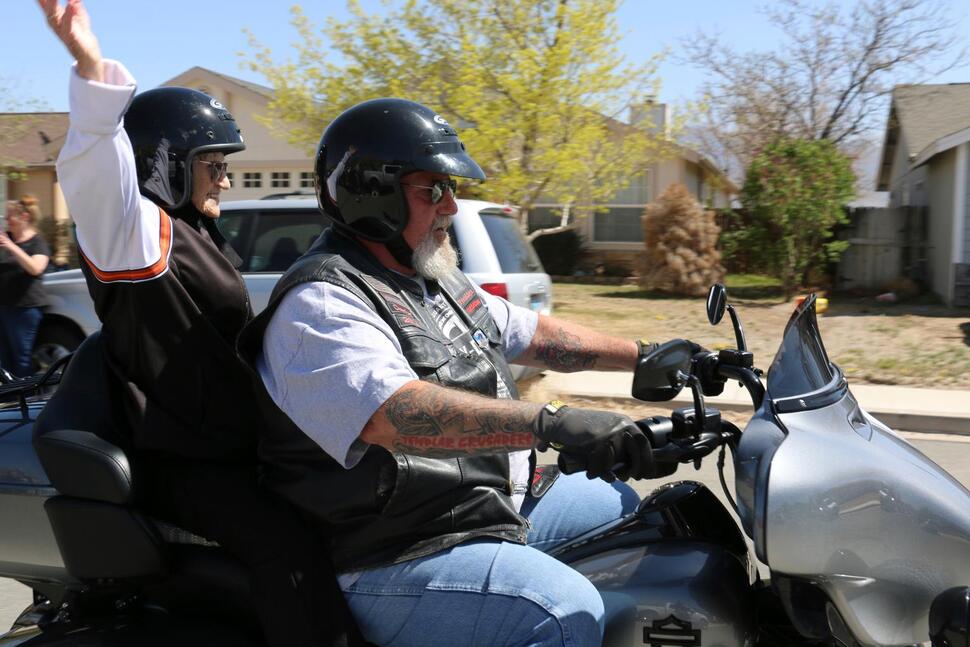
{"x":681,"y":245}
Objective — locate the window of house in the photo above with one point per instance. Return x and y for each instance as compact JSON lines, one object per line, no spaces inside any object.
{"x":252,"y":180}
{"x":637,"y":192}
{"x":280,"y":179}
{"x":306,"y":180}
{"x":618,"y":225}
{"x":230,"y":177}
{"x":543,"y":217}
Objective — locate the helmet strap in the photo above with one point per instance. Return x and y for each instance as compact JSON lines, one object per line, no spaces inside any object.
{"x":401,"y":251}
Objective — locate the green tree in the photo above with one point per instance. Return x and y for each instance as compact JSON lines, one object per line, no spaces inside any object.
{"x":536,"y":87}
{"x":795,"y":194}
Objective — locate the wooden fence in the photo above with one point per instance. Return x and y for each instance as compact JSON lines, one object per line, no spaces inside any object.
{"x":879,"y":240}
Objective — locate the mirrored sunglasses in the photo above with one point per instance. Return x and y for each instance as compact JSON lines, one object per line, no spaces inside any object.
{"x":217,"y":170}
{"x":437,"y":189}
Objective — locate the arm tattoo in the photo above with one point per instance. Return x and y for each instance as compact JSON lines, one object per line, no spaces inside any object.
{"x":565,"y":353}
{"x":431,"y":422}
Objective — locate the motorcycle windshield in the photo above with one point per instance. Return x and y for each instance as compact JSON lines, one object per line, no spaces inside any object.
{"x":801,"y":365}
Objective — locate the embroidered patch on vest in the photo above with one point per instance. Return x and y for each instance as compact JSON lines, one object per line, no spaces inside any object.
{"x":469,"y":301}
{"x":398,"y":307}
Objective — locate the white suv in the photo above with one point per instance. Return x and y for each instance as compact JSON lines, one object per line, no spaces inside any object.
{"x":270,"y":234}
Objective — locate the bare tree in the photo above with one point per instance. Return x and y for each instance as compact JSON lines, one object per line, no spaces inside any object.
{"x":829,"y":80}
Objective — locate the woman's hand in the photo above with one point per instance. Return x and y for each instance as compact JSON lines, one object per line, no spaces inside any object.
{"x":72,"y":25}
{"x":5,"y":242}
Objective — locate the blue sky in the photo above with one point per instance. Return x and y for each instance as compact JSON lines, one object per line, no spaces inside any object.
{"x":158,"y":40}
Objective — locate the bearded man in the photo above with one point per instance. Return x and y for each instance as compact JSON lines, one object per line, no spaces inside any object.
{"x":402,"y":437}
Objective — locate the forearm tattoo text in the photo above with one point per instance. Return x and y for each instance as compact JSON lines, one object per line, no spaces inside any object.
{"x":433,"y":423}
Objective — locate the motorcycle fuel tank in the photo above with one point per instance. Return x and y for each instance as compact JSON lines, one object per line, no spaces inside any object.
{"x":676,"y":572}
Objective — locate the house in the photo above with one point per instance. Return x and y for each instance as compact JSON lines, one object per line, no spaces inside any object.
{"x":924,"y":166}
{"x":28,"y":150}
{"x":613,"y":234}
{"x":269,"y":164}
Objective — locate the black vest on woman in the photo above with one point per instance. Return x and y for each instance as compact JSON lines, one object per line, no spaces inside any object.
{"x":392,"y":507}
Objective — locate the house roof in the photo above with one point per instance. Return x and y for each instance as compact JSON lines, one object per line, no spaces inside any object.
{"x":261,"y":90}
{"x":927,"y":113}
{"x":930,"y":116}
{"x":32,"y":138}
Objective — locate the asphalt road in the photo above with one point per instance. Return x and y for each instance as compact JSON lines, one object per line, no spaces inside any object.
{"x":950,"y":452}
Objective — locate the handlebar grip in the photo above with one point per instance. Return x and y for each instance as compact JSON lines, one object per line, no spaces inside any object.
{"x":657,"y":429}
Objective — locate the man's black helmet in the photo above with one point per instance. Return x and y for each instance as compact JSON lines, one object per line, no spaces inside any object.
{"x":367,"y":149}
{"x":168,"y":127}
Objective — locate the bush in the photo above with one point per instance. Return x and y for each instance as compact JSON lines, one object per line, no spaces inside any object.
{"x":681,"y":245}
{"x":794,"y":194}
{"x":560,"y":253}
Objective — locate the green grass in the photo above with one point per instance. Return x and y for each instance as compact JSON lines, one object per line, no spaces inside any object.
{"x":751,"y":281}
{"x":753,"y":287}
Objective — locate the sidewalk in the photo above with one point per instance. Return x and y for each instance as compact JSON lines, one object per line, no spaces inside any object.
{"x":899,"y":407}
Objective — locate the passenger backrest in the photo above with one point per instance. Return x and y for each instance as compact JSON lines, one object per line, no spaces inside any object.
{"x":99,"y":535}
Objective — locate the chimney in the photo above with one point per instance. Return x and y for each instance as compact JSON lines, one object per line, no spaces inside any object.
{"x":655,"y":112}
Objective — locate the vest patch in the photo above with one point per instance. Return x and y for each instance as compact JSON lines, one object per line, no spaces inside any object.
{"x":470,"y":302}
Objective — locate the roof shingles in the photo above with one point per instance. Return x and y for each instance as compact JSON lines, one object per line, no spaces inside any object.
{"x":32,"y":138}
{"x":929,"y":112}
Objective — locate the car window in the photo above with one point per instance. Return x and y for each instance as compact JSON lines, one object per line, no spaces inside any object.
{"x":281,"y":237}
{"x":515,"y":253}
{"x":235,"y":226}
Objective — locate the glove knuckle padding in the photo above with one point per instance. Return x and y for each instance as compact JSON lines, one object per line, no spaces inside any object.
{"x":596,"y":441}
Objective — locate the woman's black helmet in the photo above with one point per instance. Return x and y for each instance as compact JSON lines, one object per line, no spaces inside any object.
{"x":366,"y":150}
{"x":168,"y":127}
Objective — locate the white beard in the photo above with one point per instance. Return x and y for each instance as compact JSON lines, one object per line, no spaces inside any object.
{"x":433,"y":260}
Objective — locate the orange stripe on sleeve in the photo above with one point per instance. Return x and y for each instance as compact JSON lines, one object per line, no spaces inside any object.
{"x":154,"y":270}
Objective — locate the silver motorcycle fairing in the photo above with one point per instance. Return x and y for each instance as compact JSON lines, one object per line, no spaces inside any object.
{"x":847,"y":504}
{"x":677,"y":567}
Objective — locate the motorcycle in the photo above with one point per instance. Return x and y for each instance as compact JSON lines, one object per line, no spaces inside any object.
{"x":867,"y":541}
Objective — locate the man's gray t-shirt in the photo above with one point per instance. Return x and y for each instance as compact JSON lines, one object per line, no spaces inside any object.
{"x":329,"y":362}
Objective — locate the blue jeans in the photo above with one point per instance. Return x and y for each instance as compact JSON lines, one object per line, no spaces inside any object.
{"x":18,"y":328}
{"x":493,"y":593}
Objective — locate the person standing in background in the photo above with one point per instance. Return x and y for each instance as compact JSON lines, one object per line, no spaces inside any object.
{"x":24,"y":255}
{"x":56,"y":231}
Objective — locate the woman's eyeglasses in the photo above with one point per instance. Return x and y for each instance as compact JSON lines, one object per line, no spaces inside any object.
{"x":438,"y":189}
{"x":217,"y":170}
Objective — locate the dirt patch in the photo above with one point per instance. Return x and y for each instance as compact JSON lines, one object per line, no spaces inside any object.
{"x":918,"y":345}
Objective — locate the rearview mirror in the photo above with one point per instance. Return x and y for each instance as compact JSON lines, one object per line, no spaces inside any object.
{"x":716,"y":302}
{"x":662,"y":374}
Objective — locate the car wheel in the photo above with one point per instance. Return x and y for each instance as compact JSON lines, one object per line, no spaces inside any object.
{"x":53,"y":342}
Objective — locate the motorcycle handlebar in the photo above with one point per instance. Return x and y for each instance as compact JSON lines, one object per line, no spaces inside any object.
{"x":672,"y":445}
{"x":747,"y":377}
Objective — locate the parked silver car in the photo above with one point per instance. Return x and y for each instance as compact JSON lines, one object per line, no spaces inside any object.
{"x":270,"y":234}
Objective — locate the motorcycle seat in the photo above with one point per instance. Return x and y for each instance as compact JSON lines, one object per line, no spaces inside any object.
{"x":103,"y":538}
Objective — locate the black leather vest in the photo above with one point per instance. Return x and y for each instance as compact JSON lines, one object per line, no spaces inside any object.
{"x":392,"y":507}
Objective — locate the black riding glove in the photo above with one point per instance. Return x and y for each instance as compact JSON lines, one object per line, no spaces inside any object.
{"x":645,"y":349}
{"x":603,"y":444}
